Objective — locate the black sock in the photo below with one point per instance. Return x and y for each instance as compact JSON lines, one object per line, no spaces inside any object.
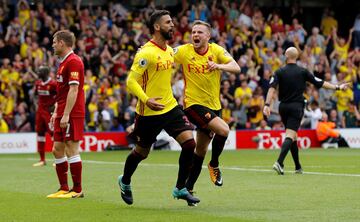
{"x":218,"y":144}
{"x":185,"y":162}
{"x":284,"y":150}
{"x":342,"y":142}
{"x":295,"y":154}
{"x":132,"y":161}
{"x":195,"y":171}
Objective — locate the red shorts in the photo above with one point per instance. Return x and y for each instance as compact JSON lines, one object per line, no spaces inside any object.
{"x":74,"y":131}
{"x":42,"y":122}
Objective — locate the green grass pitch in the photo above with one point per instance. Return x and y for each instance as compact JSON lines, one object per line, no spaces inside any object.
{"x":329,"y":190}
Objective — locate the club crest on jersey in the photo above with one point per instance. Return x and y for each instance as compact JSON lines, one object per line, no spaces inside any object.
{"x":176,"y":50}
{"x":142,"y":62}
{"x":74,"y":75}
{"x":59,"y":78}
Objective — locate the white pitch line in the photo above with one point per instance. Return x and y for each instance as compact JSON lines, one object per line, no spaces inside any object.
{"x":235,"y":168}
{"x":227,"y":168}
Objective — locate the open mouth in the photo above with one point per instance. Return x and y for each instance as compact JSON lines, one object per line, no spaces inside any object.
{"x":196,"y":41}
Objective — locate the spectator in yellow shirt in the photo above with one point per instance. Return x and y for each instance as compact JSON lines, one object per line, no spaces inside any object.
{"x":243,"y":92}
{"x":4,"y":128}
{"x":349,"y":69}
{"x":256,"y":105}
{"x":23,"y":11}
{"x":8,"y":104}
{"x":226,"y":113}
{"x":328,"y":22}
{"x":35,"y":53}
{"x":341,"y":47}
{"x":343,"y":98}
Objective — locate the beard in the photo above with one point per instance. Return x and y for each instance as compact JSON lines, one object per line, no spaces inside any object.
{"x":166,"y":35}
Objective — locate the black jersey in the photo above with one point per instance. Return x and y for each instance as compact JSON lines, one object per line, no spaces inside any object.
{"x":291,"y":80}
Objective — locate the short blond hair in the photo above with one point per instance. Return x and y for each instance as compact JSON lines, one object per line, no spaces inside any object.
{"x":67,"y":36}
{"x":199,"y":22}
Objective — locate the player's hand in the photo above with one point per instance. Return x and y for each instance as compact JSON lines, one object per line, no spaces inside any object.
{"x":212,"y":66}
{"x":266,"y":111}
{"x":52,"y":121}
{"x":154,"y":105}
{"x":64,"y":121}
{"x":344,"y":86}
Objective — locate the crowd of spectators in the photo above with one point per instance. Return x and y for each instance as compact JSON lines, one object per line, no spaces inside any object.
{"x":108,"y":37}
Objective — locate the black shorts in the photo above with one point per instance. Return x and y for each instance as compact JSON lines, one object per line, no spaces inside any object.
{"x":291,"y":114}
{"x":200,"y":116}
{"x":148,"y":127}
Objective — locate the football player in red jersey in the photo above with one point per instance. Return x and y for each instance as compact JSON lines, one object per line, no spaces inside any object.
{"x":45,"y":90}
{"x":68,"y":116}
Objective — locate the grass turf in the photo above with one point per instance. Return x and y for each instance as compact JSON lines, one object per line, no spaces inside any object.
{"x":328,"y":191}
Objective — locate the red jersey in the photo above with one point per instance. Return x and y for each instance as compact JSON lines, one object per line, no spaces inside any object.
{"x":46,"y":92}
{"x":70,"y":71}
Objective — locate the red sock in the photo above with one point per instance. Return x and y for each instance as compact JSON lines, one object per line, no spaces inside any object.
{"x":76,"y":171}
{"x":41,"y":150}
{"x":62,"y":171}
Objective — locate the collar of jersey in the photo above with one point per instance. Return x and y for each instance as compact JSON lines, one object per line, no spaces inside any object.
{"x":164,"y":49}
{"x":46,"y":82}
{"x":202,"y":54}
{"x":67,"y":55}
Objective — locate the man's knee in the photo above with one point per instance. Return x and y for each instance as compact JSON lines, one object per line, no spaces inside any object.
{"x":58,"y":150}
{"x":220,"y":128}
{"x":141,"y":151}
{"x":72,"y":148}
{"x":189,"y":145}
{"x":224,"y":131}
{"x":200,"y":151}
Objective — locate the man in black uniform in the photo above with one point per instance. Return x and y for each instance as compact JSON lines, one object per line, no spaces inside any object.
{"x":291,"y":80}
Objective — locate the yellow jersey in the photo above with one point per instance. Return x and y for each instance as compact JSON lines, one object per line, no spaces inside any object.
{"x":343,"y":99}
{"x":202,"y":87}
{"x":342,"y":50}
{"x":244,"y":94}
{"x":152,"y":69}
{"x":4,"y":128}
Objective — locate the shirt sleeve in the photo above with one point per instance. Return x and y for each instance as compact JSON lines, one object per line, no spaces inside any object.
{"x":274,"y":80}
{"x":177,"y":55}
{"x":223,"y":55}
{"x":137,"y":70}
{"x":74,"y":69}
{"x":318,"y":83}
{"x":141,"y":63}
{"x":134,"y":87}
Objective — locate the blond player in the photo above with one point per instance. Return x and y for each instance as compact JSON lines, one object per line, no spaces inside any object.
{"x":203,"y":63}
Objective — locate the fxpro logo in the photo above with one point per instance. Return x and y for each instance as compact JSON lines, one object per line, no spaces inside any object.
{"x":90,"y":142}
{"x":14,"y":145}
{"x":265,"y":140}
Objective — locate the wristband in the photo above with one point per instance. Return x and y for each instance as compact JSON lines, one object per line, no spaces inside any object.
{"x":267,"y":104}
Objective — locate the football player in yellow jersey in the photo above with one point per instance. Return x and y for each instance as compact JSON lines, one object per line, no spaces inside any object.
{"x":150,"y":80}
{"x":202,"y":64}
